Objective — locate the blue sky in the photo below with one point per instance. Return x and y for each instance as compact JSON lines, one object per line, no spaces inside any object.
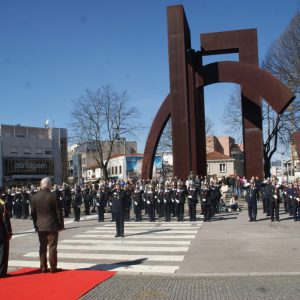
{"x":51,"y":51}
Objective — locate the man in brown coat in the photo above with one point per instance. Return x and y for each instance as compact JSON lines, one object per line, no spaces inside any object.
{"x":48,"y":221}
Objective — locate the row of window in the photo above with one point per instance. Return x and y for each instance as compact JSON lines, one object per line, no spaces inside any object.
{"x":28,"y":150}
{"x":114,"y":170}
{"x":222,"y":168}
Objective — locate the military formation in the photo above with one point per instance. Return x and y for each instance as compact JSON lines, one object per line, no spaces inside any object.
{"x":164,"y":199}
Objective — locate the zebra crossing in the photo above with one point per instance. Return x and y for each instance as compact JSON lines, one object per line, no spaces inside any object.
{"x":157,"y":247}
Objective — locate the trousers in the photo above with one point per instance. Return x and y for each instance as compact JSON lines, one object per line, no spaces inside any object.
{"x":48,"y":239}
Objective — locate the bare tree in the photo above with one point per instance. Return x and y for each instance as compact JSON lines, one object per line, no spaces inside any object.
{"x":283,"y":61}
{"x":100,"y":118}
{"x":165,"y":143}
{"x":277,"y":129}
{"x":283,"y":58}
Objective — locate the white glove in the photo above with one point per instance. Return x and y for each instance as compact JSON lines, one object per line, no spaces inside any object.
{"x":98,"y":204}
{"x":177,"y":201}
{"x":158,"y":201}
{"x":291,"y":197}
{"x":165,"y":201}
{"x":135,"y":203}
{"x":148,"y":202}
{"x":275,"y":197}
{"x":173,"y":200}
{"x":204,"y":200}
{"x":189,"y":196}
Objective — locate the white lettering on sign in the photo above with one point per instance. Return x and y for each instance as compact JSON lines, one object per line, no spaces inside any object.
{"x":30,"y":165}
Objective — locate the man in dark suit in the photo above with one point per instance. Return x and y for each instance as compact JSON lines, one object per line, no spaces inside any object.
{"x":118,"y":209}
{"x":5,"y":236}
{"x":48,"y":221}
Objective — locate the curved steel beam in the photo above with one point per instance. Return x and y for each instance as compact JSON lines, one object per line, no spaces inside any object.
{"x":158,"y":125}
{"x":261,"y":82}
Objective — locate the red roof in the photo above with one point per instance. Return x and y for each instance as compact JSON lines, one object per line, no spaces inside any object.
{"x":217,"y":156}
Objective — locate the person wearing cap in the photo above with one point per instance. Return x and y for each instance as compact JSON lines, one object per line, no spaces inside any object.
{"x":251,"y":199}
{"x":5,"y":236}
{"x":48,"y":220}
{"x":118,"y":209}
{"x":274,"y":199}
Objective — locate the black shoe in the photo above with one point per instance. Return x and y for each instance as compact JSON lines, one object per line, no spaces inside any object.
{"x":117,"y":235}
{"x":55,"y":270}
{"x":44,"y":270}
{"x":122,"y":235}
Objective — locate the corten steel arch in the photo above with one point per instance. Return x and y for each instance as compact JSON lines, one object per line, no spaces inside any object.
{"x":185,"y":103}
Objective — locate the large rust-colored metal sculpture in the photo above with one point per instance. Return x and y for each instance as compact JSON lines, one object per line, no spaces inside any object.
{"x":185,"y":103}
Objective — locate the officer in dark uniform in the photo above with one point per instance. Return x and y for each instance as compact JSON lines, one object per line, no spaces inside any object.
{"x":207,"y":199}
{"x":180,"y":195}
{"x":76,"y":203}
{"x":160,"y":201}
{"x":296,"y":205}
{"x":18,"y":204}
{"x":66,"y":198}
{"x":118,"y":209}
{"x":274,"y":191}
{"x":5,"y":236}
{"x":168,"y":193}
{"x":251,"y":199}
{"x":9,"y":202}
{"x":137,"y":198}
{"x":101,"y":202}
{"x":151,"y":197}
{"x":192,"y":200}
{"x":87,"y":199}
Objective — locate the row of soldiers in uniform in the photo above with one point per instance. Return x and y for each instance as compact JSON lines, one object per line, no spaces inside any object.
{"x":272,"y":193}
{"x":157,"y":199}
{"x":161,"y":198}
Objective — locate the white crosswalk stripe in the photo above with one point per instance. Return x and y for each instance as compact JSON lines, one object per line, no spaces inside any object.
{"x":143,"y":246}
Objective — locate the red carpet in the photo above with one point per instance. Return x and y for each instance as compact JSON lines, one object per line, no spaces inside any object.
{"x":28,"y":283}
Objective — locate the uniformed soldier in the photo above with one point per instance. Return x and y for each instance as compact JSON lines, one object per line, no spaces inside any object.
{"x":207,"y":199}
{"x":274,"y":199}
{"x":137,"y":199}
{"x":118,"y":198}
{"x":291,"y":193}
{"x":9,"y":202}
{"x":76,"y":203}
{"x":251,"y":199}
{"x":296,"y":205}
{"x":5,"y":236}
{"x":66,"y":199}
{"x":86,"y":193}
{"x":193,"y":192}
{"x":180,"y":196}
{"x":101,"y":200}
{"x":18,"y":204}
{"x":167,"y":202}
{"x":160,"y":201}
{"x":151,"y":197}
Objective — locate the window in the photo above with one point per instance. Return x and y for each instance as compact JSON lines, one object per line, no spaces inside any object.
{"x":27,"y":150}
{"x":14,"y":150}
{"x":48,"y":151}
{"x":207,"y":168}
{"x":222,"y":168}
{"x":116,"y":170}
{"x":120,"y":169}
{"x":112,"y":170}
{"x":38,"y":150}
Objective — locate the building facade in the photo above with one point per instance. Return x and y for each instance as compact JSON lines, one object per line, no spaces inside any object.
{"x":82,"y":164}
{"x":27,"y":154}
